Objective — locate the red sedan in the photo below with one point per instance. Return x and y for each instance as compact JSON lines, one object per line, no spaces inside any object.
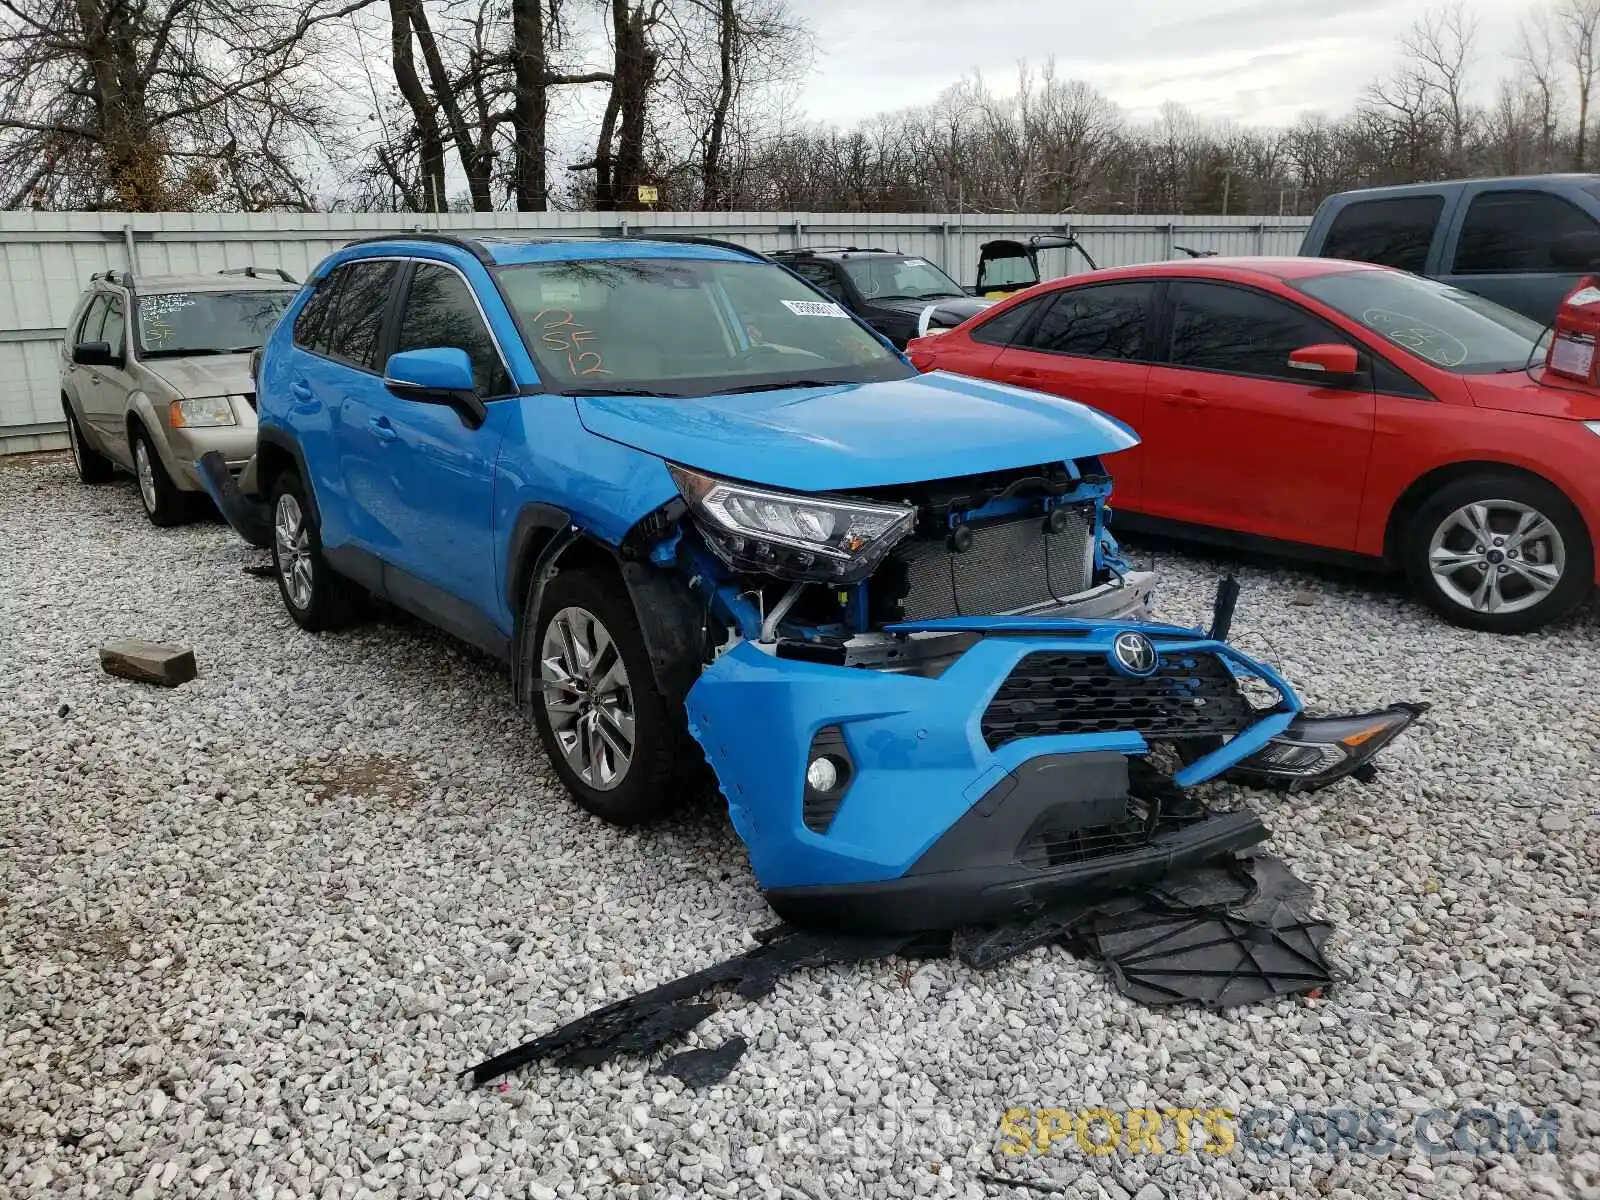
{"x":1322,"y":406}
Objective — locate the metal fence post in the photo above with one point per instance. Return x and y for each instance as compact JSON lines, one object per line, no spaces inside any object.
{"x":1261,"y":238}
{"x":132,"y":249}
{"x":799,"y":234}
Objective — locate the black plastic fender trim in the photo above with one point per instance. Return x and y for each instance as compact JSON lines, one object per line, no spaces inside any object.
{"x":668,"y":616}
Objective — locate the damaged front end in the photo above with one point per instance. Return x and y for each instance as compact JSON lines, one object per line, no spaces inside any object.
{"x":946,"y":704}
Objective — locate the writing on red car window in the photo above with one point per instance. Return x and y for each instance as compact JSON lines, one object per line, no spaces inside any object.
{"x":558,"y":331}
{"x":1424,"y":340}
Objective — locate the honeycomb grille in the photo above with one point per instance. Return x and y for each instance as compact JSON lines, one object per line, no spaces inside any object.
{"x":1010,"y":565}
{"x":1192,"y":694}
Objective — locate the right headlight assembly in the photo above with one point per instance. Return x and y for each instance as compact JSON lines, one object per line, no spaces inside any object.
{"x":790,"y":534}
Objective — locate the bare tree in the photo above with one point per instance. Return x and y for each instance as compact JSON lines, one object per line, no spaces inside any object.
{"x":1577,"y":23}
{"x":1537,"y":59}
{"x":169,"y":103}
{"x":1439,"y":48}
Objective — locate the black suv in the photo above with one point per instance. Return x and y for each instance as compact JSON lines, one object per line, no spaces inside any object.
{"x":900,"y":295}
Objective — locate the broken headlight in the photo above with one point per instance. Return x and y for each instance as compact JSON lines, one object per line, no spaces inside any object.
{"x":1316,"y":751}
{"x":789,"y":534}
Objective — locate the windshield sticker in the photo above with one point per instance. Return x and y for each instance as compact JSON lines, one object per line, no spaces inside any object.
{"x":1424,"y":340}
{"x":815,"y":308}
{"x":916,"y":262}
{"x":559,"y":333}
{"x":155,"y":330}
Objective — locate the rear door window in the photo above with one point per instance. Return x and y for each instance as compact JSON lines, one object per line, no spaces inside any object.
{"x":1216,"y":327}
{"x":1393,"y":233}
{"x":310,"y":325}
{"x":440,"y":311}
{"x":1513,"y":232}
{"x":1110,"y":320}
{"x":1002,"y":329}
{"x":356,"y":320}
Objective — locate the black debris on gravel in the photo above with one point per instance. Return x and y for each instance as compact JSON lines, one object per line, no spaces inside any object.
{"x":702,"y":1068}
{"x":1233,"y":933}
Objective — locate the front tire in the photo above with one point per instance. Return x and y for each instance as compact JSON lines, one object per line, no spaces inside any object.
{"x":92,"y":466}
{"x":1501,"y":553}
{"x":163,"y":502}
{"x":317,"y":597}
{"x":610,"y":734}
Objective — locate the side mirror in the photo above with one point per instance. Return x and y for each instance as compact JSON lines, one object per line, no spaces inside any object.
{"x":440,"y":375}
{"x":93,"y":354}
{"x":1576,"y":251}
{"x":1332,"y":360}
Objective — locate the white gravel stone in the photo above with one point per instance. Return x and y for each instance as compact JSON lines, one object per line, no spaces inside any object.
{"x":253,"y":929}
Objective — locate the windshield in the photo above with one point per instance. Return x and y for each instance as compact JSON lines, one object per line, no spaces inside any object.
{"x":885,"y":278}
{"x":1441,"y":325}
{"x":686,"y":327}
{"x":175,"y":324}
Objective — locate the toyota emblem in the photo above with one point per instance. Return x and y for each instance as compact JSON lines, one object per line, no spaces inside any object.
{"x":1134,"y":654}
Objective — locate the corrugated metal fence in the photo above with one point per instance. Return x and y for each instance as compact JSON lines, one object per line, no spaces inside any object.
{"x":46,"y":259}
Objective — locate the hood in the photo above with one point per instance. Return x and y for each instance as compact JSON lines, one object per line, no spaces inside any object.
{"x":859,"y":435}
{"x":936,"y":314}
{"x":204,"y":375}
{"x":1525,"y":392}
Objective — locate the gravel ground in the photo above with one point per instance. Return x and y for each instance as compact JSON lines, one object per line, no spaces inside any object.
{"x":252,"y":929}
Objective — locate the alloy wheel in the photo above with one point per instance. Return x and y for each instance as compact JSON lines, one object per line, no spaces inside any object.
{"x":294,"y":551}
{"x":146,"y":472}
{"x":587,"y":697}
{"x":1497,"y":556}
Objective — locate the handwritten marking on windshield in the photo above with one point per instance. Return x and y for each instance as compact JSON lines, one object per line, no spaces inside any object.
{"x":563,"y":335}
{"x":1426,"y":341}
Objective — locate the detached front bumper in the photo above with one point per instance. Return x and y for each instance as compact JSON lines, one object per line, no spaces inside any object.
{"x":979,"y":784}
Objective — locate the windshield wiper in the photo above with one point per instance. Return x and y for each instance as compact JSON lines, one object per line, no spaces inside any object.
{"x":778,"y":387}
{"x":621,"y":391}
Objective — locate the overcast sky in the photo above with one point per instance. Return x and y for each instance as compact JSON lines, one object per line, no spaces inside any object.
{"x":1252,"y":61}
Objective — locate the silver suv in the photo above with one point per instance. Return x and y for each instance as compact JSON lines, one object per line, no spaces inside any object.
{"x":156,"y":371}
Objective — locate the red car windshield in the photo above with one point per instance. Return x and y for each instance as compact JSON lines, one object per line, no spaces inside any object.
{"x":1442,"y":325}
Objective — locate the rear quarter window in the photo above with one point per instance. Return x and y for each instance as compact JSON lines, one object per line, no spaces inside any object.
{"x":1393,"y":233}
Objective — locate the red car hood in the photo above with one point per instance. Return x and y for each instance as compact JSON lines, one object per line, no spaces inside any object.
{"x":1517,"y":392}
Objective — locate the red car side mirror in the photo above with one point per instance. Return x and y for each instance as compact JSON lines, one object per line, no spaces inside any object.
{"x":1331,"y":358}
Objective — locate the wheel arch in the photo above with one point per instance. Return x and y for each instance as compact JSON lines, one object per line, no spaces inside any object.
{"x":545,"y":539}
{"x":275,"y":453}
{"x":1420,"y":489}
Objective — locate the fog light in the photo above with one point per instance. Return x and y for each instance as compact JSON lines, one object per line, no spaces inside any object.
{"x":822,"y":775}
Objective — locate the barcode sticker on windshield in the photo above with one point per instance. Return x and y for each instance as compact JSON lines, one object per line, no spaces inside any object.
{"x":815,"y":308}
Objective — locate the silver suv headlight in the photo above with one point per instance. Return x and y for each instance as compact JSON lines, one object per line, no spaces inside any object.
{"x":790,"y":534}
{"x":206,"y":413}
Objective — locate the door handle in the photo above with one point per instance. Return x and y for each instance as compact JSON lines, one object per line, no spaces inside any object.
{"x":300,"y":390}
{"x":381,"y":429}
{"x":1187,"y":398}
{"x":1026,"y":373}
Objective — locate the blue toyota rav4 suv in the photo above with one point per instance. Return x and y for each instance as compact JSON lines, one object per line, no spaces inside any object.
{"x":706,"y":515}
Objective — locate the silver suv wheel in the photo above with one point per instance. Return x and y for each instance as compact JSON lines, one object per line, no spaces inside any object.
{"x":146,"y":474}
{"x":587,"y":697}
{"x":294,"y":551}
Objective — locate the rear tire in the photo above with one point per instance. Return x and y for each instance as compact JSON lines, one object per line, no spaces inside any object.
{"x":317,"y":597}
{"x":163,"y":502}
{"x":610,"y":734}
{"x":92,"y":466}
{"x":1499,"y":552}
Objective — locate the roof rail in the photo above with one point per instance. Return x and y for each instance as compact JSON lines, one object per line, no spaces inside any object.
{"x":123,"y":279}
{"x":256,"y":273}
{"x":694,"y":240}
{"x":471,"y":245}
{"x":800,"y":251}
